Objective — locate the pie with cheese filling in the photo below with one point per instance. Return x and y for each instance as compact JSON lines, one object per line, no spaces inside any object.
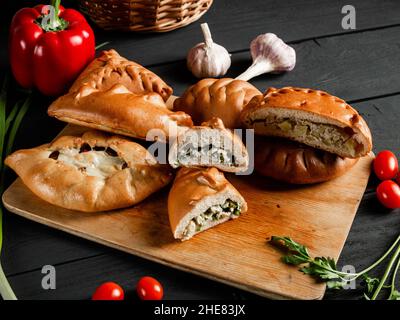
{"x":93,"y":172}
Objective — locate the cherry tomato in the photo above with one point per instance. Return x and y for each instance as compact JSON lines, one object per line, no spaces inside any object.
{"x":149,"y":288}
{"x":388,"y":193}
{"x":386,"y":165}
{"x":108,"y":291}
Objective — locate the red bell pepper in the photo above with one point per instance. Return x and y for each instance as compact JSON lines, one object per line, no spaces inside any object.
{"x":48,"y":50}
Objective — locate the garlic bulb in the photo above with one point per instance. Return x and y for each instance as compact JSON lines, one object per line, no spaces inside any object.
{"x":270,"y":54}
{"x":208,"y":59}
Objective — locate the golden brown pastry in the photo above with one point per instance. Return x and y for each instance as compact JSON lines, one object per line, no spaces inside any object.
{"x":221,"y":98}
{"x":297,"y":163}
{"x":110,"y":69}
{"x":200,"y":199}
{"x":312,"y":117}
{"x":209,"y":145}
{"x":120,"y":111}
{"x":94,"y":172}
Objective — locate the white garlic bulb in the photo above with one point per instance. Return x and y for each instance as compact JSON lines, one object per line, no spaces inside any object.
{"x":270,"y":54}
{"x":208,"y":59}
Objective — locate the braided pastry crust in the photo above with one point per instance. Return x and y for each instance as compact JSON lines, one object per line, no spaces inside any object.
{"x":110,"y":69}
{"x":221,"y":98}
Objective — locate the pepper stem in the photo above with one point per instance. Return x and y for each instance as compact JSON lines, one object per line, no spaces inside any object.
{"x":49,"y":20}
{"x":207,"y":34}
{"x":55,"y":20}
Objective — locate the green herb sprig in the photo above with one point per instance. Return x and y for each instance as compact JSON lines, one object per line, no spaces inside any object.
{"x":325,"y":269}
{"x":8,"y":129}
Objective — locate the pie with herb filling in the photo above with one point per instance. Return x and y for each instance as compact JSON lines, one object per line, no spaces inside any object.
{"x":201,"y":199}
{"x":209,"y":145}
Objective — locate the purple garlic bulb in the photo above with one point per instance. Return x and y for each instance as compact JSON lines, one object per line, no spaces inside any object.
{"x":270,"y":54}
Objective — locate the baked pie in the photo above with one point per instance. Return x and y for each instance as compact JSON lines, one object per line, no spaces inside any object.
{"x":92,"y":172}
{"x":201,"y":199}
{"x":312,"y":117}
{"x":221,"y":98}
{"x":209,"y":145}
{"x":297,"y":163}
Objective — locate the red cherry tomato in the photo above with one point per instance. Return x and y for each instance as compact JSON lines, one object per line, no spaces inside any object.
{"x":386,"y":165}
{"x":108,"y":291}
{"x":149,"y":288}
{"x":388,"y":193}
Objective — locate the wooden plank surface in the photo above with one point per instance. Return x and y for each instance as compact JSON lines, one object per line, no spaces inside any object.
{"x":234,"y":25}
{"x":301,"y":212}
{"x":27,"y":245}
{"x":30,"y":245}
{"x":355,"y":66}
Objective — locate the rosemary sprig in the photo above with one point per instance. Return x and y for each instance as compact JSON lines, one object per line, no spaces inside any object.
{"x":325,"y":269}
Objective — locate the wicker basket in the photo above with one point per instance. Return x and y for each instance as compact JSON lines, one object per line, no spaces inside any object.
{"x":144,"y":15}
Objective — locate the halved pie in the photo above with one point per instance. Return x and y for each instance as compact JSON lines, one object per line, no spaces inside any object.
{"x":209,"y":145}
{"x":201,"y":199}
{"x":312,"y":117}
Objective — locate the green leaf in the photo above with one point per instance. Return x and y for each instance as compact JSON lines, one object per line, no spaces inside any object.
{"x":395,"y":295}
{"x":325,"y":269}
{"x":18,"y":119}
{"x":3,"y":103}
{"x":322,"y":267}
{"x":291,"y":245}
{"x":294,"y":259}
{"x":366,"y":297}
{"x":371,"y":283}
{"x":5,"y":288}
{"x":101,"y":45}
{"x":336,"y":285}
{"x":316,"y":270}
{"x":12,"y":115}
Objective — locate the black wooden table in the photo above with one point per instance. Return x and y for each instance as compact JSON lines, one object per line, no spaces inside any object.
{"x":362,"y":66}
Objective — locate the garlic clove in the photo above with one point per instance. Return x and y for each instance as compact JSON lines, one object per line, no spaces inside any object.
{"x":281,"y":56}
{"x":208,"y":59}
{"x":270,"y":54}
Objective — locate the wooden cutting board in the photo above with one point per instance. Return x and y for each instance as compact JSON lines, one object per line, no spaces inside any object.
{"x":237,"y":252}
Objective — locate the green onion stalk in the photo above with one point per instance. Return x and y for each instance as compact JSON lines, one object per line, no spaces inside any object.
{"x":8,"y":129}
